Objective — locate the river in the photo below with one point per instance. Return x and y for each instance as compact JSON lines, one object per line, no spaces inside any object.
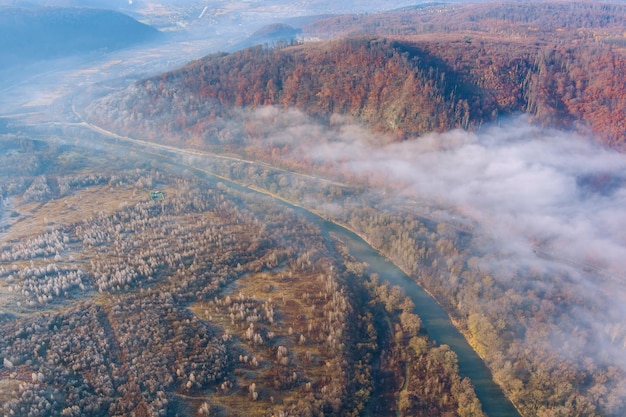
{"x":434,"y":318}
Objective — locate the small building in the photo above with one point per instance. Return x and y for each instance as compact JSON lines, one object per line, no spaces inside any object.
{"x":157,"y":195}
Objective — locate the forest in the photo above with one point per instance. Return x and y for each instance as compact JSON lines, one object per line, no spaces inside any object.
{"x":453,"y":262}
{"x":564,"y":73}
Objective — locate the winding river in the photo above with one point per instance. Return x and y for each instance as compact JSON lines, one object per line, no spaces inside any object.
{"x":434,"y":318}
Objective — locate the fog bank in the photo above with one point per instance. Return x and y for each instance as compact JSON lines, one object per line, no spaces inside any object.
{"x":529,"y":187}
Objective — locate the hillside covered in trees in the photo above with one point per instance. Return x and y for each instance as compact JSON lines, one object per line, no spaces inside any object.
{"x":406,"y":78}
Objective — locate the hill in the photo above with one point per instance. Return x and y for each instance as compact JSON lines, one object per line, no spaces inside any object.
{"x":394,"y":86}
{"x":405,"y":87}
{"x":32,"y":35}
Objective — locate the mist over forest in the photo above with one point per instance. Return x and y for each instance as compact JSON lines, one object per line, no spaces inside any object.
{"x":563,"y":191}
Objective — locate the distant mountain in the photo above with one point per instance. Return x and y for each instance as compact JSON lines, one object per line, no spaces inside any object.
{"x":270,"y":34}
{"x":31,"y":35}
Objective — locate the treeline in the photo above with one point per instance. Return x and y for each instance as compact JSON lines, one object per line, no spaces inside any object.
{"x":543,"y":21}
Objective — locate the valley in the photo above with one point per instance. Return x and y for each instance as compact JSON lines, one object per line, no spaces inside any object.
{"x":412,"y":218}
{"x":268,"y":282}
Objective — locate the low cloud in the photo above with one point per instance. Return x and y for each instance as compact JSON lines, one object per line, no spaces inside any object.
{"x":526,"y":186}
{"x":538,"y":199}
